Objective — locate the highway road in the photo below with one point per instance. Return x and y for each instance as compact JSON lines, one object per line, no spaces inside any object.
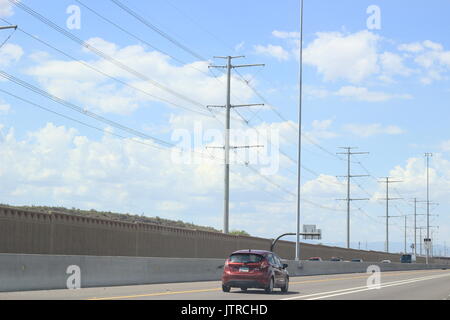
{"x":405,"y":285}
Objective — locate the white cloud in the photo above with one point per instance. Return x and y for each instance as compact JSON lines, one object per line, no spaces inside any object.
{"x":368,"y":130}
{"x":10,"y":53}
{"x":414,"y":177}
{"x":350,"y":57}
{"x":60,"y":165}
{"x":6,"y":8}
{"x":286,"y":34}
{"x":445,"y":146}
{"x":364,"y":94}
{"x":72,"y":81}
{"x":433,"y":45}
{"x":4,"y":108}
{"x":316,"y":92}
{"x":325,"y":186}
{"x":431,"y":57}
{"x":392,"y":64}
{"x":240,"y":46}
{"x":354,"y":93}
{"x":320,"y":130}
{"x":273,"y":51}
{"x":411,"y":47}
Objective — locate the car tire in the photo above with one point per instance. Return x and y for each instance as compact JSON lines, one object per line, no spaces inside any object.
{"x":226,"y":288}
{"x":285,"y":288}
{"x":269,"y":288}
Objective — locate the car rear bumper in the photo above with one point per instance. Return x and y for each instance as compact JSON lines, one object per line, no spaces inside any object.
{"x":246,"y":284}
{"x":246,"y":281}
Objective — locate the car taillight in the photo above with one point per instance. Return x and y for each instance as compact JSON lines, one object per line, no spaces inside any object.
{"x":227,"y":267}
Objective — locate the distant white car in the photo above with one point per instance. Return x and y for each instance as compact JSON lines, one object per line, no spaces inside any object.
{"x":386,"y":261}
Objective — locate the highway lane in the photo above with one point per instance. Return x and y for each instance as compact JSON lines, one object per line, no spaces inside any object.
{"x":410,"y":285}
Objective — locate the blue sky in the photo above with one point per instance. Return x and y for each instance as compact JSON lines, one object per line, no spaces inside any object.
{"x":385,"y":91}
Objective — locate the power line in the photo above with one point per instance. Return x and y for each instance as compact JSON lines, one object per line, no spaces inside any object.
{"x":87,"y":113}
{"x":79,"y":121}
{"x":138,"y":38}
{"x":102,"y":54}
{"x":108,"y":75}
{"x":283,"y":118}
{"x":157,"y":30}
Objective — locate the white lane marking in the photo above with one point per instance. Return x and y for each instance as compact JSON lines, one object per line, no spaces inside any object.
{"x":358,"y":289}
{"x":382,"y":287}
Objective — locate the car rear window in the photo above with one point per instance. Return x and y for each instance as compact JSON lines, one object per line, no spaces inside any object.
{"x":246,"y":258}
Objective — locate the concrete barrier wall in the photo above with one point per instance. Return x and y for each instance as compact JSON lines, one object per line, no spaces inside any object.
{"x":47,"y":272}
{"x":311,"y":268}
{"x":28,"y":232}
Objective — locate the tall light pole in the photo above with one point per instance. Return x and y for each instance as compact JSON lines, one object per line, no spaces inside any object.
{"x":297,"y":242}
{"x":8,"y":27}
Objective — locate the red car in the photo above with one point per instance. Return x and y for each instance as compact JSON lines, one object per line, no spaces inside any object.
{"x":315,"y":259}
{"x":255,"y":269}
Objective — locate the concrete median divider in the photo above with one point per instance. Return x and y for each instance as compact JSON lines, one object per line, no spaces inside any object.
{"x":45,"y":272}
{"x":19,"y":272}
{"x":312,"y":268}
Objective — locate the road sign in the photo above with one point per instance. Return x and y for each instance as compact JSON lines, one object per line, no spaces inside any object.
{"x":310,"y":232}
{"x":427,"y":242}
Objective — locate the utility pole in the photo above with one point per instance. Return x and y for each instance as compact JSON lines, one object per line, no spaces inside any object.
{"x":227,"y":147}
{"x":432,"y":239}
{"x":428,"y":155}
{"x":421,"y":240}
{"x":415,"y":223}
{"x":299,"y":151}
{"x":406,"y":219}
{"x":349,"y":153}
{"x":388,"y":182}
{"x":415,"y":226}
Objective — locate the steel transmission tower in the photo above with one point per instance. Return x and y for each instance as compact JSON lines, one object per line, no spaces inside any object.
{"x":428,"y":156}
{"x":415,"y":227}
{"x":227,"y":147}
{"x":349,"y":153}
{"x":388,"y":181}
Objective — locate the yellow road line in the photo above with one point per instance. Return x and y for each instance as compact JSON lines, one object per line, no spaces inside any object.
{"x":218,"y":289}
{"x":157,"y":294}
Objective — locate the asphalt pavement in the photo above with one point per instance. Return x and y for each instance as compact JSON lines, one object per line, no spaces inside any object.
{"x":404,"y":285}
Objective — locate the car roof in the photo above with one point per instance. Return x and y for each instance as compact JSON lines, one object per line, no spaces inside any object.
{"x":260,"y":252}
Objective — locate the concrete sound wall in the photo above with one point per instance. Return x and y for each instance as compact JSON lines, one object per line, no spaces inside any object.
{"x":48,"y":272}
{"x":27,"y":232}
